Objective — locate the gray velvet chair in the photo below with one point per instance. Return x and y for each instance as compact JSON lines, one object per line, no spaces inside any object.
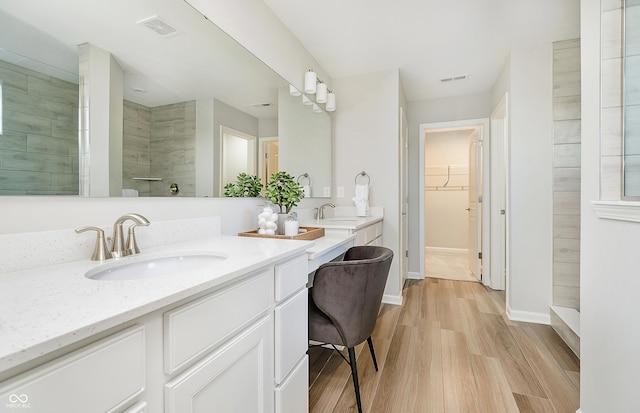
{"x":345,"y":299}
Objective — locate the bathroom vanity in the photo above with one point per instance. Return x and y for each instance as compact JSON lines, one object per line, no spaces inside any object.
{"x":232,"y":334}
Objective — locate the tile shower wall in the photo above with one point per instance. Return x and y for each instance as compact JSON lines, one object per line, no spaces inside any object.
{"x":39,"y":143}
{"x":173,"y":144}
{"x":136,"y":147}
{"x":159,"y":142}
{"x":566,"y":174}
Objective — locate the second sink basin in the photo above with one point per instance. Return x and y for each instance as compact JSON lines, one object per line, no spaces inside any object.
{"x":153,"y":267}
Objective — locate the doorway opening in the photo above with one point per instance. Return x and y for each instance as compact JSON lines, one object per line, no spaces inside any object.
{"x":454,"y":200}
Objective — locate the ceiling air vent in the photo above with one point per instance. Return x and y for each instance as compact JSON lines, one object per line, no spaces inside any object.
{"x":160,"y":26}
{"x":453,"y":78}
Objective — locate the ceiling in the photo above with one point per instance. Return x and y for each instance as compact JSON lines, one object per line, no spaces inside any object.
{"x":425,"y":39}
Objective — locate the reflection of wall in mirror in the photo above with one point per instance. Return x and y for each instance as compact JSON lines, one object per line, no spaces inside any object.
{"x":159,"y":142}
{"x":39,"y":149}
{"x":305,"y":142}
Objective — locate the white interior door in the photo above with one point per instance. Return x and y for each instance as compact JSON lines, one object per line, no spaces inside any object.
{"x":475,"y":207}
{"x":239,"y":154}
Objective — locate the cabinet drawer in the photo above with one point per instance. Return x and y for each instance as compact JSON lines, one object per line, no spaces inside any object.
{"x":291,"y":276}
{"x":368,"y":234}
{"x":197,"y":327}
{"x":293,"y":394}
{"x":237,"y":377}
{"x":291,"y":333}
{"x":102,"y":377}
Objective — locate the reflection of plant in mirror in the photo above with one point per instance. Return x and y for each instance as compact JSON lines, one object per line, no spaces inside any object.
{"x":246,"y":186}
{"x":284,"y":191}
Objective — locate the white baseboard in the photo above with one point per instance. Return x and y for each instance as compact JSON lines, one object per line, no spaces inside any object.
{"x":579,"y":411}
{"x":392,"y":299}
{"x":411,"y":275}
{"x":442,"y":249}
{"x":528,"y":316}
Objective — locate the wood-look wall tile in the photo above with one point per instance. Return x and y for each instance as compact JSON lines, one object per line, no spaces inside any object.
{"x":566,"y":179}
{"x":566,"y":44}
{"x":24,"y":180}
{"x":566,"y":60}
{"x":566,"y":84}
{"x":566,"y":250}
{"x":566,"y":226}
{"x":566,"y":274}
{"x":611,"y":34}
{"x":610,"y":178}
{"x":566,"y":131}
{"x":566,"y":107}
{"x":566,"y":296}
{"x":611,"y":78}
{"x":611,"y":135}
{"x":13,"y":141}
{"x":566,"y":203}
{"x":54,"y":146}
{"x":566,"y":155}
{"x":567,"y":335}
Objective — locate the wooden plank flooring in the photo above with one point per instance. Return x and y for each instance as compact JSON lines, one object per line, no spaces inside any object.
{"x":450,"y":349}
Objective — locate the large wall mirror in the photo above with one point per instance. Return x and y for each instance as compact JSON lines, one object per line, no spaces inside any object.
{"x":168,"y":89}
{"x":631,"y":176}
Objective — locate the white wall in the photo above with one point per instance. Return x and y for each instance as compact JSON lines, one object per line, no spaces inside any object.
{"x":366,"y":126}
{"x":609,"y":282}
{"x":530,"y":187}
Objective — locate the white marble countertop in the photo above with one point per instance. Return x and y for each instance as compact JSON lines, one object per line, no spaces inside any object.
{"x":342,"y":222}
{"x":46,"y":308}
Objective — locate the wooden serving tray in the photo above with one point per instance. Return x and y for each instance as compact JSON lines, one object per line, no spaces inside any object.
{"x":312,"y":233}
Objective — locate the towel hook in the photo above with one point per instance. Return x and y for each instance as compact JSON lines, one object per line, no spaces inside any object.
{"x":363,"y":174}
{"x":305,"y":175}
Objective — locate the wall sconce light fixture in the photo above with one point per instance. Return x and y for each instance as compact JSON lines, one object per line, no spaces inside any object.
{"x":315,"y":86}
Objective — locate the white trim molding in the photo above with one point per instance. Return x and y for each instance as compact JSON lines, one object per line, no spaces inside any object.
{"x":392,"y":299}
{"x":528,"y":316}
{"x":413,"y":275}
{"x":617,"y":210}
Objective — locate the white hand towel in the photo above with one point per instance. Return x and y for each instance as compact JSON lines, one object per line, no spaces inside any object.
{"x":307,"y":190}
{"x":362,"y":200}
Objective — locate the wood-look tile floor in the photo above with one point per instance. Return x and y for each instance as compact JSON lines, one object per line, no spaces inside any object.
{"x":450,"y":348}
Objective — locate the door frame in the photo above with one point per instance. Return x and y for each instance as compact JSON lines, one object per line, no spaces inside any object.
{"x":500,"y":231}
{"x":486,"y":217}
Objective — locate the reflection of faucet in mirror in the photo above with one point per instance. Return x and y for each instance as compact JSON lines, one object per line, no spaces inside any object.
{"x":118,"y":247}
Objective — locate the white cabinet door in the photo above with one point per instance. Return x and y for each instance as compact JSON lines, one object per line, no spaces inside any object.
{"x":291,"y":333}
{"x":101,"y":377}
{"x":293,"y":394}
{"x":238,"y":377}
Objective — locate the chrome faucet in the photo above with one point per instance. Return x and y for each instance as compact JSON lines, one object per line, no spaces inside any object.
{"x":320,"y":210}
{"x":118,"y":246}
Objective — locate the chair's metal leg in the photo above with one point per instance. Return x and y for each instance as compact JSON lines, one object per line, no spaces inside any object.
{"x":354,"y":374}
{"x":373,"y":353}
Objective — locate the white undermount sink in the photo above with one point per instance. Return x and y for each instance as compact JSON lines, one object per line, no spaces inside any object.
{"x":153,"y":267}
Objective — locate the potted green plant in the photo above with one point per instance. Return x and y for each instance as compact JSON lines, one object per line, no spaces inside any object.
{"x":246,"y":186}
{"x":283,"y":190}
